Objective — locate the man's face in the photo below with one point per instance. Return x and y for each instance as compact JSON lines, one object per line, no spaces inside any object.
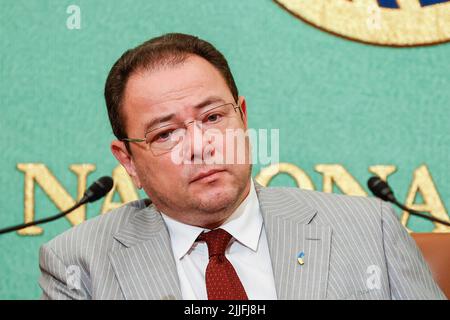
{"x":198,"y":194}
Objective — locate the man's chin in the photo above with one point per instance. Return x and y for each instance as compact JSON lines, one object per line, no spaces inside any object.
{"x":216,"y":197}
{"x":217,"y":194}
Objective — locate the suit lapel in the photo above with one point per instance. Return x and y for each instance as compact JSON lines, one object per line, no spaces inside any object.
{"x":145,"y":267}
{"x":290,"y":230}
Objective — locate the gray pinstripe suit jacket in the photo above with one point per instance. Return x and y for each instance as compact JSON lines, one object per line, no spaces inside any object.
{"x":354,"y":249}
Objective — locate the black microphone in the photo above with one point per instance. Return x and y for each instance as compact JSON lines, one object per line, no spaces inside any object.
{"x":382,"y":190}
{"x":96,"y":191}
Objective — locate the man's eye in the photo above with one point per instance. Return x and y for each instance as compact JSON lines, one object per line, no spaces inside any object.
{"x":163,"y":136}
{"x":213,"y":117}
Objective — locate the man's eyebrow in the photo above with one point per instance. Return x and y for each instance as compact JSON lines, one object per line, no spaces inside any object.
{"x":209,"y":101}
{"x":165,"y":118}
{"x":157,"y":120}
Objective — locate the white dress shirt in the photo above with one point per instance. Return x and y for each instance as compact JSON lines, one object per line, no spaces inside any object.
{"x":248,"y":252}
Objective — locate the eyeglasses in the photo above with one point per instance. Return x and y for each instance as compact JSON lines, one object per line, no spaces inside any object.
{"x":164,"y":138}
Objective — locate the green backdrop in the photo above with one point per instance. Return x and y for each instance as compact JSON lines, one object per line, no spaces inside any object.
{"x":335,"y":101}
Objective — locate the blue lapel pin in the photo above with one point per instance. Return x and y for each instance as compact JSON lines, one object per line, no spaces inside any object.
{"x":300,"y":258}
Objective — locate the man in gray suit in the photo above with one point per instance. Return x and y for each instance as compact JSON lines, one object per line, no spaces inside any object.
{"x":210,"y":231}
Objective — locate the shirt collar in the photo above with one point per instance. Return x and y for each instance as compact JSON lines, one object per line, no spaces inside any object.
{"x":246,"y":222}
{"x":244,"y":225}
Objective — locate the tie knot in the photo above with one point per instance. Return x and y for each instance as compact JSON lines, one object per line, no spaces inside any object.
{"x":217,"y":241}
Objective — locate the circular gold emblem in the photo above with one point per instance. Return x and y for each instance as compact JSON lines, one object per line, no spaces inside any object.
{"x":381,"y":22}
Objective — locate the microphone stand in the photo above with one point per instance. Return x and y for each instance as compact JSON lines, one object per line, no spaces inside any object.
{"x":96,"y":191}
{"x":33,"y":223}
{"x":419,"y":214}
{"x":382,"y":190}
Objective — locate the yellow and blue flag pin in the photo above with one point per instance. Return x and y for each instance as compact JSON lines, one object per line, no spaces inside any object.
{"x":300,"y":258}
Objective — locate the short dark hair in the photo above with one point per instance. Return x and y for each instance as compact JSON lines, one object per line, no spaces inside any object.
{"x":168,"y":49}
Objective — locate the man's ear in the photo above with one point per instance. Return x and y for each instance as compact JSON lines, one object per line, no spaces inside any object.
{"x":243,"y":105}
{"x":119,"y":150}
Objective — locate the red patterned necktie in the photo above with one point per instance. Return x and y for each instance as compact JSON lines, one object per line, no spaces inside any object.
{"x":222,"y":282}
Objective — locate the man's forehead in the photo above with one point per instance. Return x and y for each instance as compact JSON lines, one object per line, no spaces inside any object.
{"x":184,"y":84}
{"x":159,"y":95}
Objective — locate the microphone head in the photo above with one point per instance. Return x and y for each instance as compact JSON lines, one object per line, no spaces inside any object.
{"x":381,"y":189}
{"x":98,"y":189}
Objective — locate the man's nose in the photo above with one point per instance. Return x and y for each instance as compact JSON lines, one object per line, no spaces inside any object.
{"x":196,"y":142}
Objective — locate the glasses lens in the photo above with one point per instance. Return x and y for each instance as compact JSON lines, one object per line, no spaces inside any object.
{"x":161,"y":141}
{"x":164,"y":139}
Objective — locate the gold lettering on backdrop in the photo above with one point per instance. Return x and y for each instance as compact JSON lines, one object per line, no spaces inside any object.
{"x":124,"y":186}
{"x":39,"y":173}
{"x":383,"y":171}
{"x":301,"y":178}
{"x":337,"y":174}
{"x":423,"y":183}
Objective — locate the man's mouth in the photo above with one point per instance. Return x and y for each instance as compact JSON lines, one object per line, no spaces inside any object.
{"x":207,"y":176}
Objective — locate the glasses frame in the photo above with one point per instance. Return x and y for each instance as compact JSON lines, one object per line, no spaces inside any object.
{"x":128,"y":140}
